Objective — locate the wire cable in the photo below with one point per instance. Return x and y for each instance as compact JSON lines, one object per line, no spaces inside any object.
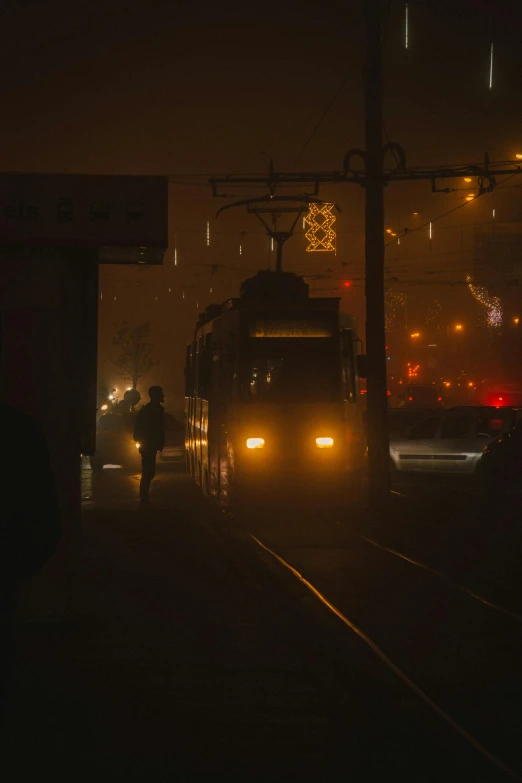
{"x":324,"y":114}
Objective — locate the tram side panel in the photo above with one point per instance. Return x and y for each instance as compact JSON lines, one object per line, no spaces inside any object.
{"x":224,"y":335}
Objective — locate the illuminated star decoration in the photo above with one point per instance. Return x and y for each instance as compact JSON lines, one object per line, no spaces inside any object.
{"x":321,"y":234}
{"x":492,"y":304}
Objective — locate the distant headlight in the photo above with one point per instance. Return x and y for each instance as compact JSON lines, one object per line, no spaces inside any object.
{"x":255,"y":443}
{"x":138,"y":445}
{"x":324,"y":443}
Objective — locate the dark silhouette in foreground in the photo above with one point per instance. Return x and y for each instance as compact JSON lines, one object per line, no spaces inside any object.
{"x":30,"y":520}
{"x":149,"y":432}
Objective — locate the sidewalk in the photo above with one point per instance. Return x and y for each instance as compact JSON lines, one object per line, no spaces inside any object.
{"x":177,"y":666}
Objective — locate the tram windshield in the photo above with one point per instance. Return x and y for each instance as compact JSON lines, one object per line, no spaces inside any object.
{"x":291,"y":370}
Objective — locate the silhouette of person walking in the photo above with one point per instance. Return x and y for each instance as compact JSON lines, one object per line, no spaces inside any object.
{"x":149,"y":432}
{"x":30,"y":525}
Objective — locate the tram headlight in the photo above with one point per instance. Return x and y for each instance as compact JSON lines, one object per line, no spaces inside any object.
{"x":324,"y":443}
{"x":255,"y":443}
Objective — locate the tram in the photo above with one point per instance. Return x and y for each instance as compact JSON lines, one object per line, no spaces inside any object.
{"x":272,"y":390}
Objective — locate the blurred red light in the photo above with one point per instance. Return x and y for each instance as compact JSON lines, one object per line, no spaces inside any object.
{"x":347,"y":283}
{"x":410,"y":399}
{"x":439,"y":399}
{"x":388,"y":392}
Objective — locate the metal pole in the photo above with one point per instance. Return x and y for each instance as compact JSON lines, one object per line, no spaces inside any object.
{"x":377,"y":424}
{"x":279,"y":256}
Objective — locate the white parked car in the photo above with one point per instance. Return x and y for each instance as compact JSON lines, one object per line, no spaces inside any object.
{"x":451,"y":441}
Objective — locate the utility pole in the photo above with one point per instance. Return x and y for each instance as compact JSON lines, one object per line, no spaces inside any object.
{"x":377,"y":400}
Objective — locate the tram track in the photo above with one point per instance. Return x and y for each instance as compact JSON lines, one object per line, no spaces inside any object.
{"x":418,"y":564}
{"x":441,"y":713}
{"x":455,"y":646}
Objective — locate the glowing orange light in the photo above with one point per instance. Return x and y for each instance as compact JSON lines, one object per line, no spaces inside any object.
{"x":470,"y":384}
{"x":518,"y":156}
{"x":415,"y":334}
{"x":516,"y":320}
{"x":470,"y":197}
{"x":321,"y":232}
{"x":458,"y":327}
{"x":467,"y":179}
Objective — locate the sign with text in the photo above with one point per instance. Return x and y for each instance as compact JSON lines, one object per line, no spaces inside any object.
{"x":285,"y":328}
{"x":84,"y":210}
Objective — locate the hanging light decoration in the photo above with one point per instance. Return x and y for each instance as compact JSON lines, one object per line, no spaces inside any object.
{"x":321,"y":233}
{"x":406,"y":27}
{"x":492,"y":304}
{"x":208,"y":233}
{"x":491,"y":67}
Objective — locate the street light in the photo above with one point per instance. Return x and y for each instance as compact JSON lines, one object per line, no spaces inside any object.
{"x":470,"y":197}
{"x":518,"y":156}
{"x":414,"y":335}
{"x":458,"y":327}
{"x":467,"y":179}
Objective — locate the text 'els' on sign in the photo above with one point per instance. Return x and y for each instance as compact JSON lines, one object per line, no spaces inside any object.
{"x":289,"y":329}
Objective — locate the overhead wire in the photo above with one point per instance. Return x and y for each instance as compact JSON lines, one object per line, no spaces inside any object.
{"x":326,"y":111}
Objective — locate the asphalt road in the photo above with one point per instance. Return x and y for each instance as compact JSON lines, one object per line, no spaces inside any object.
{"x":196,"y":655}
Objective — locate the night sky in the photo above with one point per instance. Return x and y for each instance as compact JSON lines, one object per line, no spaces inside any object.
{"x":191,"y":90}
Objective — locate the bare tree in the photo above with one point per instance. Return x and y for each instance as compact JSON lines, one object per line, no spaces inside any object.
{"x":135,"y":359}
